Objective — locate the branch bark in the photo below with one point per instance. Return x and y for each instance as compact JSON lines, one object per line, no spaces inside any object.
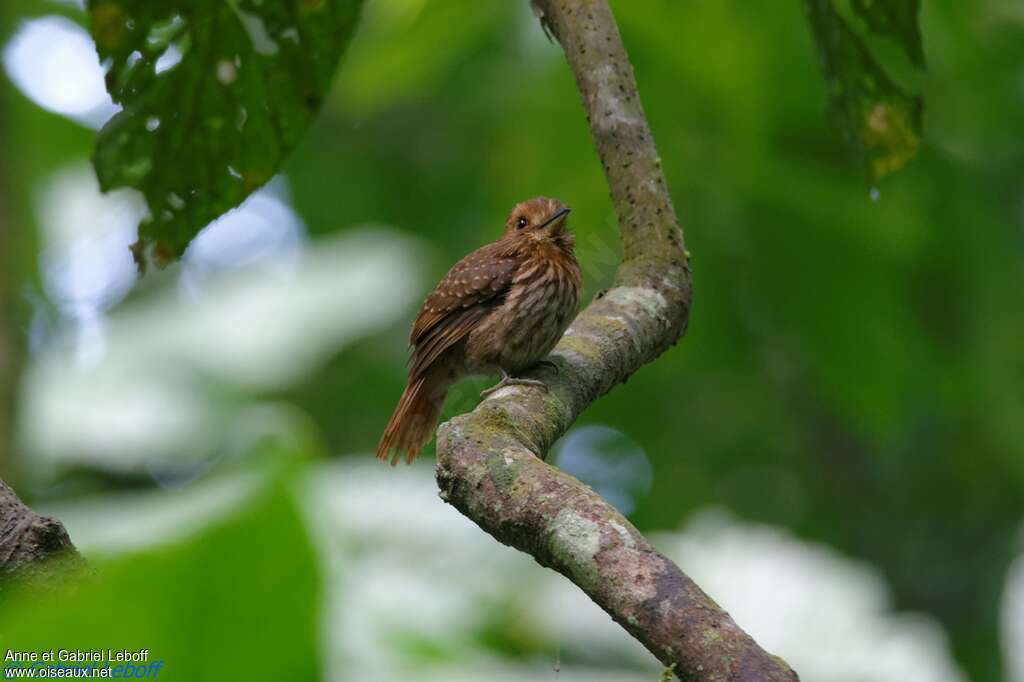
{"x":32,"y":547}
{"x":490,"y":462}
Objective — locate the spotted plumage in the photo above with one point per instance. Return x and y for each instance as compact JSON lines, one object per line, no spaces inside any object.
{"x":500,"y":309}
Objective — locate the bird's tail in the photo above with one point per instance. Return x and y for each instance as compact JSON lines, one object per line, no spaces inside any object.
{"x":413,"y":421}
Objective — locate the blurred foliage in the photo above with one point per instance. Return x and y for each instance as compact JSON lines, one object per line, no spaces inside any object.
{"x":203,"y":606}
{"x":199,"y":134}
{"x":879,"y":118}
{"x":852,"y":369}
{"x":898,"y":19}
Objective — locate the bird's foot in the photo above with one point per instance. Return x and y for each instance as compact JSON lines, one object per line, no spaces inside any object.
{"x":507,"y":380}
{"x":547,"y":363}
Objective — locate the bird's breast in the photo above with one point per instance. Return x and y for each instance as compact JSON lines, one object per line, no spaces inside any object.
{"x":540,"y":304}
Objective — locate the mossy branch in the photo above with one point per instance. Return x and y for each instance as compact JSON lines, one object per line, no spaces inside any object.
{"x":490,"y":462}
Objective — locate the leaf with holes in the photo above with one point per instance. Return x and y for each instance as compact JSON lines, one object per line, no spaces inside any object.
{"x":881,"y":120}
{"x":215,"y":95}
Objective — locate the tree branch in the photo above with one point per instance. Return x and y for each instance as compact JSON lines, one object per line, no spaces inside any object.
{"x":490,"y":462}
{"x":32,"y":547}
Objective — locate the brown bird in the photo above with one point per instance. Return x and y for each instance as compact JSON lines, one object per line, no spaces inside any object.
{"x":501,"y":309}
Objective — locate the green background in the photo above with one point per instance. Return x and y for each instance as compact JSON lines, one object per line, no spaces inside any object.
{"x":853,"y":368}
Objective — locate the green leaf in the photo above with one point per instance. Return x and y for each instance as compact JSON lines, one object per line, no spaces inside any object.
{"x":201,"y":135}
{"x":239,"y":600}
{"x":897,"y":19}
{"x":880,"y":119}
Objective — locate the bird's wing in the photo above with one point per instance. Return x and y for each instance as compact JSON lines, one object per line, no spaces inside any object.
{"x":470,"y":290}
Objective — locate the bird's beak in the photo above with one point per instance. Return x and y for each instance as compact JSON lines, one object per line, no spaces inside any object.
{"x":557,"y":220}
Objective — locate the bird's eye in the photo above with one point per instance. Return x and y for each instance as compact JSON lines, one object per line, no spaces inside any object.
{"x":521,"y":223}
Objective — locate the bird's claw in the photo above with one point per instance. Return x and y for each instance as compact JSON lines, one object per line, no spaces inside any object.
{"x":512,"y":381}
{"x":549,"y":364}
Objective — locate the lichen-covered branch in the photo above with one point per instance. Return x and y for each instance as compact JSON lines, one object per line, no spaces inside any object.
{"x":32,"y":547}
{"x":490,"y":462}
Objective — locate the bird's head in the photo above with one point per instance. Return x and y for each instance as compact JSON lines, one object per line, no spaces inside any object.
{"x":539,"y":219}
